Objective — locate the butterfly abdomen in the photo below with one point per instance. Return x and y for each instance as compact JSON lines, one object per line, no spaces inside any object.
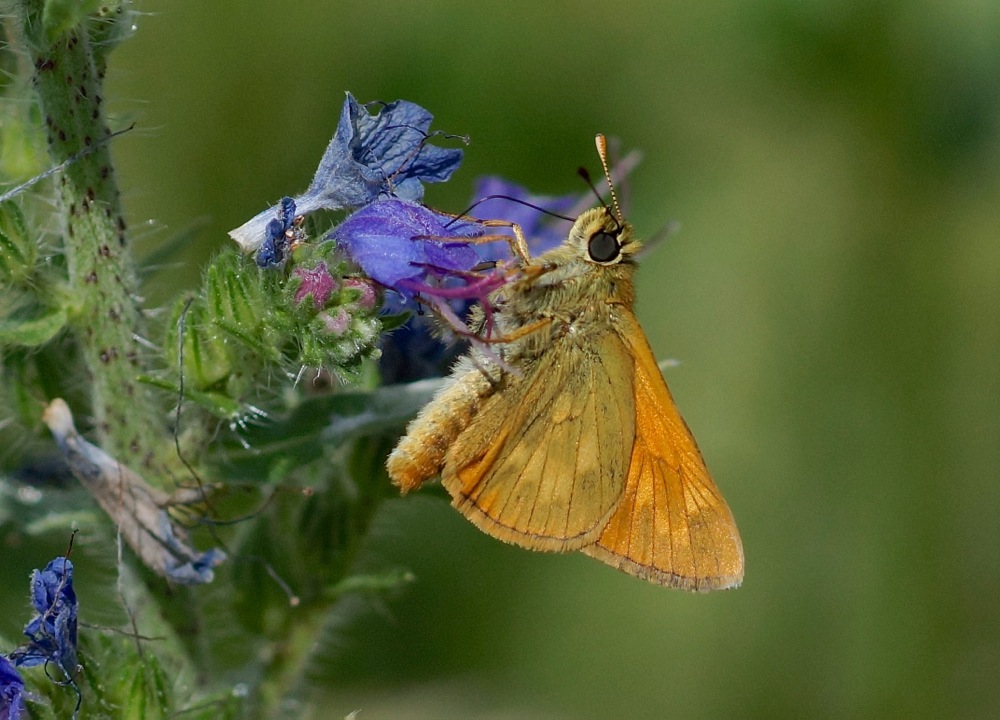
{"x":420,"y":453}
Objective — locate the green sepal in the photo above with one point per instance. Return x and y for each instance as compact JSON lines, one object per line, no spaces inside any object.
{"x":61,"y":16}
{"x":394,"y":321}
{"x":206,"y":356}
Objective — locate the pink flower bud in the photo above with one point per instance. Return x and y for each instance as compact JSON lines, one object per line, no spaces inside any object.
{"x":317,"y":282}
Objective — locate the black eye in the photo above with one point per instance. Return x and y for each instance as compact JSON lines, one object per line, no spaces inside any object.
{"x":603,"y":247}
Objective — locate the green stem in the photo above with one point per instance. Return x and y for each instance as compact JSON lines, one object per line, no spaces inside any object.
{"x":105,"y":315}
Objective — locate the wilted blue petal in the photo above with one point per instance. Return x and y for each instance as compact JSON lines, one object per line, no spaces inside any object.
{"x":386,"y":152}
{"x":370,"y":156}
{"x":385,"y":240}
{"x":183,"y":564}
{"x":543,"y":232}
{"x":276,"y":236}
{"x":11,"y":691}
{"x":52,"y":632}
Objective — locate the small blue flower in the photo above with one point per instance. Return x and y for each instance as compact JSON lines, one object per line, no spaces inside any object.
{"x":11,"y":691}
{"x":370,"y":156}
{"x":52,"y":632}
{"x":402,"y":244}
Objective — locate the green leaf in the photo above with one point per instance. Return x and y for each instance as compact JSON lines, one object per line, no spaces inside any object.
{"x":385,"y":581}
{"x":17,"y":251}
{"x":391,"y":322}
{"x":327,"y":421}
{"x":34,"y":331}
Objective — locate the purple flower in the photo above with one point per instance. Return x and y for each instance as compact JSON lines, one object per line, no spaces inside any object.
{"x":11,"y":689}
{"x":370,"y":156}
{"x":52,"y":632}
{"x":416,"y":352}
{"x":394,"y":241}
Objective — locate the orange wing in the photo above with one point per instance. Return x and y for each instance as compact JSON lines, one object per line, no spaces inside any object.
{"x":672,"y":527}
{"x":544,"y":461}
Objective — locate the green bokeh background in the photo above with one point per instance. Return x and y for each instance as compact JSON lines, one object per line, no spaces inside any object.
{"x":832,"y":296}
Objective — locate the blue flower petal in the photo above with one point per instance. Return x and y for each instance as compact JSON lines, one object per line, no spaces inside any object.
{"x":383,"y":153}
{"x":370,"y":156}
{"x":52,"y":632}
{"x":200,"y":569}
{"x":385,"y":240}
{"x":11,"y":690}
{"x":373,"y":155}
{"x":181,"y":563}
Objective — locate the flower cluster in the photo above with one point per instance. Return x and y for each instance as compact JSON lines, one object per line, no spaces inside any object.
{"x":374,"y":167}
{"x":335,"y":314}
{"x":370,"y":156}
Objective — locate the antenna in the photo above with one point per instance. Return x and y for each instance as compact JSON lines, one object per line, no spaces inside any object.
{"x":602,"y":151}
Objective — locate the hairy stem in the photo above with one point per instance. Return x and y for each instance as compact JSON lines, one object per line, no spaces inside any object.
{"x":105,"y":316}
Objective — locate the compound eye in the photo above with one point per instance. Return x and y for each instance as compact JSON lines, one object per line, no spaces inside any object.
{"x":603,"y":247}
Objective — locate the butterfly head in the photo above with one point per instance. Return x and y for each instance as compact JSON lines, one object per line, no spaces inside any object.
{"x":601,"y":235}
{"x":595,"y":264}
{"x":600,"y":238}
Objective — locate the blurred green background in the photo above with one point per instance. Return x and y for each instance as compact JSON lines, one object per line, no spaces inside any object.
{"x":832,"y":296}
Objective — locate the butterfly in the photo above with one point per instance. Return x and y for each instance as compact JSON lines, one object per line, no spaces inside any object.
{"x":573,"y":440}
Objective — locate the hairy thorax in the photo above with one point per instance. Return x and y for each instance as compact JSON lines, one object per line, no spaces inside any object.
{"x":559,"y":301}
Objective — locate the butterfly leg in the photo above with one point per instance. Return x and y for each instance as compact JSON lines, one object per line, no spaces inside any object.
{"x":517,"y":334}
{"x":518,"y":244}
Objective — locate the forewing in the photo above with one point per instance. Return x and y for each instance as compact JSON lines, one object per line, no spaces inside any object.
{"x":673,"y":526}
{"x":543,"y":464}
